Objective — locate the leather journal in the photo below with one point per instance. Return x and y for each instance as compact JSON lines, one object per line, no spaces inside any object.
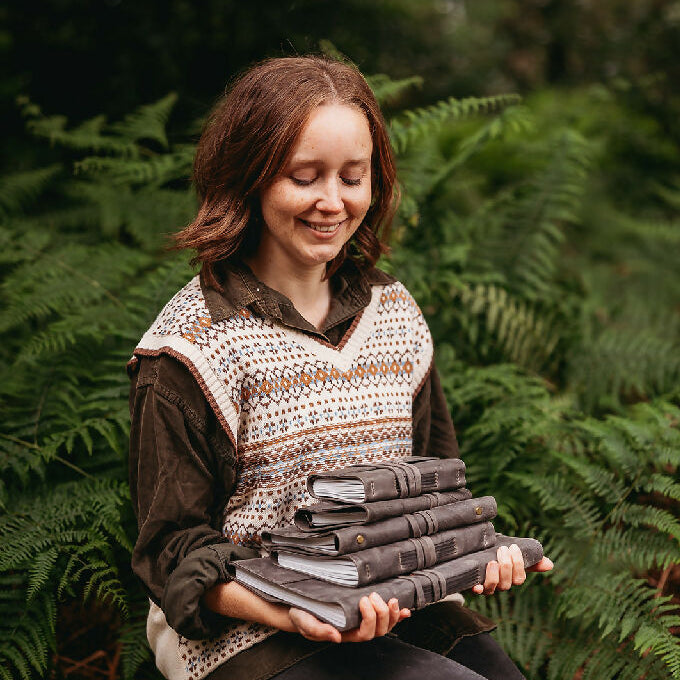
{"x":357,"y":538}
{"x":370,"y":482}
{"x":339,"y":605}
{"x":331,"y":514}
{"x":387,"y":561}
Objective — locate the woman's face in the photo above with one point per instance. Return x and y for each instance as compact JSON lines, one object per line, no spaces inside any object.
{"x":315,"y":204}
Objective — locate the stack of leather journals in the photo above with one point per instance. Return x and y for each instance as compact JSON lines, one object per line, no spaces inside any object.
{"x":407,"y":529}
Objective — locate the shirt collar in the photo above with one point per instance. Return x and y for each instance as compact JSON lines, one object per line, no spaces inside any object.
{"x":351,"y":292}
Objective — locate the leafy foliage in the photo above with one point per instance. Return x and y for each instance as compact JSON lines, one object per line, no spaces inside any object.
{"x":536,"y":274}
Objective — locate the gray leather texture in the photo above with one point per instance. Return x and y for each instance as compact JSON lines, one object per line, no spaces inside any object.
{"x":402,"y":557}
{"x":414,"y":591}
{"x":405,"y":478}
{"x":356,"y":538}
{"x":360,"y":513}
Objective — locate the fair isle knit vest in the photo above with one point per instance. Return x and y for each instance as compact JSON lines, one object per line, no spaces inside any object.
{"x":292,"y":404}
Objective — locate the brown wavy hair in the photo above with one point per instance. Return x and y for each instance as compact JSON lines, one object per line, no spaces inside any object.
{"x":246,"y":141}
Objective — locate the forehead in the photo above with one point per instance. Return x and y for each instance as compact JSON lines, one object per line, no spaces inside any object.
{"x":334,"y":130}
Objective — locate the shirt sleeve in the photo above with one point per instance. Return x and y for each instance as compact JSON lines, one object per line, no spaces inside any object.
{"x":181,"y":475}
{"x":433,"y":430}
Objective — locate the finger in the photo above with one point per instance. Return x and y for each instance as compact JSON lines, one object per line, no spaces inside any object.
{"x":544,"y":565}
{"x":404,"y":614}
{"x":366,"y":630}
{"x":518,"y":573}
{"x":504,"y":568}
{"x":311,"y":628}
{"x":382,"y":615}
{"x":491,"y":580}
{"x":395,"y":613}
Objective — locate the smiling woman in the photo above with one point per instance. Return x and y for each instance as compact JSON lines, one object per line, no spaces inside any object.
{"x":314,"y":206}
{"x":262,"y":370}
{"x":288,"y":123}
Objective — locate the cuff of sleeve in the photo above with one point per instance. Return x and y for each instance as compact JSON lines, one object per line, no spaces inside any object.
{"x":199,"y":571}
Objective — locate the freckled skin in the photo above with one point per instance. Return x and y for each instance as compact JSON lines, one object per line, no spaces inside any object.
{"x":326,"y":181}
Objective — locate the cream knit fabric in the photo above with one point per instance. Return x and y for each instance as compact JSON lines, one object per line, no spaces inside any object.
{"x":292,"y":404}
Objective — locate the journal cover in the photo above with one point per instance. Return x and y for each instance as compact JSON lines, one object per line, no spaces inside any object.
{"x":384,"y":481}
{"x":357,"y":538}
{"x":394,"y":559}
{"x":331,"y":514}
{"x":339,"y":605}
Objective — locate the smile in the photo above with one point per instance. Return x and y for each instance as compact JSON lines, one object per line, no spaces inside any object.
{"x":323,"y":228}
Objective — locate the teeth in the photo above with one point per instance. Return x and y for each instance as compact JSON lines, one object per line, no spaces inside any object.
{"x":323,"y":228}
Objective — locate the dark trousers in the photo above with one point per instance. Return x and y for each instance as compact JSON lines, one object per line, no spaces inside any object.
{"x":478,"y":657}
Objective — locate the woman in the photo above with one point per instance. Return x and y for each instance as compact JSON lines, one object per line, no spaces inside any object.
{"x":290,"y":353}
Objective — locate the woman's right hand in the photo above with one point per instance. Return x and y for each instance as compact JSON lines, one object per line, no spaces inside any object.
{"x":377,"y":619}
{"x":232,"y":599}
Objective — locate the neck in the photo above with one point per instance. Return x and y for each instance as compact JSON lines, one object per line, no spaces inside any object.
{"x":306,"y":288}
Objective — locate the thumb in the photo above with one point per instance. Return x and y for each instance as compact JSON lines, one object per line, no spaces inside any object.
{"x":545,"y":564}
{"x":310,"y":627}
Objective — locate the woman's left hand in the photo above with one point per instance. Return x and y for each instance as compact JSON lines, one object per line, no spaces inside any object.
{"x":508,"y":570}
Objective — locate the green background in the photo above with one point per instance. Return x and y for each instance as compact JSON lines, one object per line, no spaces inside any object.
{"x":537,"y":144}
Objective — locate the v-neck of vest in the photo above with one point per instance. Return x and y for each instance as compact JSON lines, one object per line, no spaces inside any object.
{"x":354,"y":336}
{"x":321,"y":338}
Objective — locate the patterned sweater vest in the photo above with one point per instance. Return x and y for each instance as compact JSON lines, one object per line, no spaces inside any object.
{"x":292,"y":404}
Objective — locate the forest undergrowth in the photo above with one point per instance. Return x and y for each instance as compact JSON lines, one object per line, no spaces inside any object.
{"x":541,"y":240}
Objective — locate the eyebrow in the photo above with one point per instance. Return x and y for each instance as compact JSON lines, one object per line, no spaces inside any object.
{"x":317,"y":161}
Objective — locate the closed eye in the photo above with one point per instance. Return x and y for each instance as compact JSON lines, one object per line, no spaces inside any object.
{"x":349,"y":181}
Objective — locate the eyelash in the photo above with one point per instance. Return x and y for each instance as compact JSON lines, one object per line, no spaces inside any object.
{"x":307,"y":182}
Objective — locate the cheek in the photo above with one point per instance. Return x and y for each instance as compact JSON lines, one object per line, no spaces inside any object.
{"x":282,"y":203}
{"x":362,"y":202}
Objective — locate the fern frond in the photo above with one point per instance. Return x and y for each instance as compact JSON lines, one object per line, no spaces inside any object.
{"x":20,"y":189}
{"x":388,"y":91}
{"x":513,"y":119}
{"x":602,"y":482}
{"x":150,"y":171}
{"x":597,"y":366}
{"x":635,"y":548}
{"x":27,"y":631}
{"x":523,"y":335}
{"x":41,"y":570}
{"x":644,"y":515}
{"x":526,"y":623}
{"x":61,"y":518}
{"x":420,"y":123}
{"x":551,"y":200}
{"x":148,"y":122}
{"x":660,"y":641}
{"x":663,"y":485}
{"x":55,"y":272}
{"x":86,"y":136}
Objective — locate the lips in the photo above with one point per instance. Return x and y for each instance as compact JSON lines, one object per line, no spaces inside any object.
{"x":323,"y":228}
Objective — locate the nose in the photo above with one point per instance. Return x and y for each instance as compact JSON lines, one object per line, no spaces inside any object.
{"x":329,"y":199}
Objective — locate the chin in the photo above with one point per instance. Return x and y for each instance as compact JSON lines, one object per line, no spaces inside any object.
{"x":321,"y":256}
